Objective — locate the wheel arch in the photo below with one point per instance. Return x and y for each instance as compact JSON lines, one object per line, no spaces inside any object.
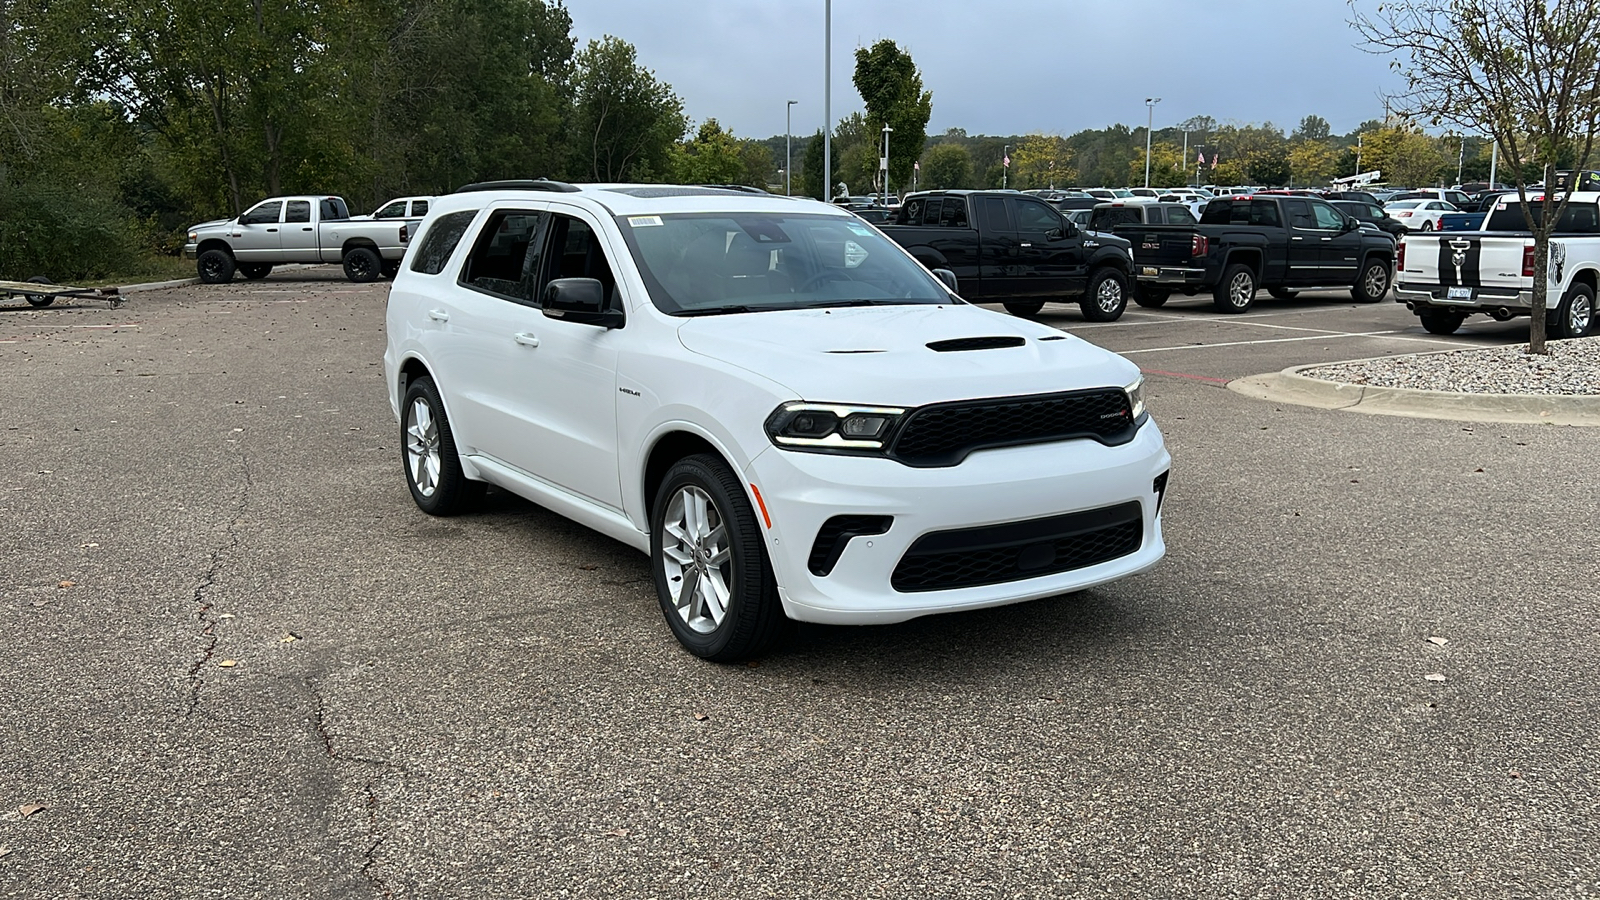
{"x":213,"y":244}
{"x":1587,"y":277}
{"x":667,"y":448}
{"x":356,"y":243}
{"x":1248,"y":256}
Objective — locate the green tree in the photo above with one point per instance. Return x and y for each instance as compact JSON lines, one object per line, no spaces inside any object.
{"x":1040,"y":161}
{"x":1312,"y":161}
{"x":1312,"y":128}
{"x":811,"y":168}
{"x":625,"y":122}
{"x":712,"y":156}
{"x":1525,"y":72}
{"x":946,"y":166}
{"x":1269,"y":165}
{"x":891,"y":88}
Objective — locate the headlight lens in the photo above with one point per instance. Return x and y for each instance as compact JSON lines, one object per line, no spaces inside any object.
{"x":833,"y":427}
{"x":1135,"y":393}
{"x":194,"y":235}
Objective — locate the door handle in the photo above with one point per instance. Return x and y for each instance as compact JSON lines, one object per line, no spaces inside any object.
{"x":272,"y":229}
{"x":1026,"y":244}
{"x":307,"y":228}
{"x":1328,"y":239}
{"x":526,"y":339}
{"x":438,"y":315}
{"x":1297,"y":238}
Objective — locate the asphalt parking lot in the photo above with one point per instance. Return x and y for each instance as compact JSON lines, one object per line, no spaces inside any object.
{"x":239,"y":663}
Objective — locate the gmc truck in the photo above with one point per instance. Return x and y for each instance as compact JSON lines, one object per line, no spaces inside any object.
{"x":1010,"y":248}
{"x":1283,"y":243}
{"x":1446,"y":277}
{"x":305,"y":229}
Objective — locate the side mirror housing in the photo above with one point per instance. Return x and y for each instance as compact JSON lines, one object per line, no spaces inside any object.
{"x":580,"y":300}
{"x":949,"y":279}
{"x":1351,"y":223}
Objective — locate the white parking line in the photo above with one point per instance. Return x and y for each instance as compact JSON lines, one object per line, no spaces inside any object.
{"x":1312,"y":337}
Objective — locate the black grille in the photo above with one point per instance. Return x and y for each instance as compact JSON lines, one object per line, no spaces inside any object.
{"x":943,"y":435}
{"x":836,"y":533}
{"x":976,"y":343}
{"x":945,"y":560}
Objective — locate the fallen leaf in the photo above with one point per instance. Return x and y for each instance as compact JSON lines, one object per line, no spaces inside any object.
{"x":5,"y":851}
{"x":1439,"y":641}
{"x":288,"y":637}
{"x":1434,"y":677}
{"x":230,"y":663}
{"x":90,"y":544}
{"x":225,"y":616}
{"x":66,"y":584}
{"x":40,"y":602}
{"x":701,"y":717}
{"x":1513,"y":775}
{"x":30,"y":809}
{"x":618,"y":832}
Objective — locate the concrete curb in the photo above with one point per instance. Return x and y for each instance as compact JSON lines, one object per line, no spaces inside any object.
{"x":1289,"y":386}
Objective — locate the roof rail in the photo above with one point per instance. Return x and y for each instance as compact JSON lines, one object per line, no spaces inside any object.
{"x":522,"y":184}
{"x":742,"y":188}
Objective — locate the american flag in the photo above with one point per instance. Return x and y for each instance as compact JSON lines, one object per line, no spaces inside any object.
{"x":1006,"y":161}
{"x":1202,"y":159}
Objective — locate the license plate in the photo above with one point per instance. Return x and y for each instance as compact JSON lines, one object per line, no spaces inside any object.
{"x":1458,"y":293}
{"x":1149,"y":270}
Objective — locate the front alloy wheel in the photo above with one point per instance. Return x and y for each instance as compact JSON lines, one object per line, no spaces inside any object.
{"x":697,"y":559}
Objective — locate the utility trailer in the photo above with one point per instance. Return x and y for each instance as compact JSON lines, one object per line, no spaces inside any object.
{"x":39,"y":292}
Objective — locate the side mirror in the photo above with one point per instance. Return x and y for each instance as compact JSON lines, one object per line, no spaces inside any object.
{"x":581,"y":300}
{"x":1351,"y":223}
{"x":949,"y":279}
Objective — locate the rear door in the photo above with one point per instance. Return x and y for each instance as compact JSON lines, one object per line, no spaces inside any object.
{"x":1340,"y":248}
{"x":998,"y":247}
{"x":1304,"y":255}
{"x":299,"y":234}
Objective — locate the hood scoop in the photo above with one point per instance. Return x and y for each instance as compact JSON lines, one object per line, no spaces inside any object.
{"x":956,"y":345}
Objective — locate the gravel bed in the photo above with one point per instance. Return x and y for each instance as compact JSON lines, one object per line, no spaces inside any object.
{"x":1573,"y":367}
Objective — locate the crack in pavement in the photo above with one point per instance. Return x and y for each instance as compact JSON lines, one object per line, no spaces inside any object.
{"x":375,"y":836}
{"x":202,"y":591}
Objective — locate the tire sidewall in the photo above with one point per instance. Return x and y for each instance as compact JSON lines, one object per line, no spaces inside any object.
{"x":449,"y":494}
{"x":362,"y":265}
{"x":749,"y":571}
{"x":1361,"y":281}
{"x":1563,"y":323}
{"x":1091,"y":297}
{"x":1231,"y":274}
{"x":224,"y":266}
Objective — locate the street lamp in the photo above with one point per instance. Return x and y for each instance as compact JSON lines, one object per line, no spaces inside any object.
{"x":1150,"y":107}
{"x":886,"y":130}
{"x":788,"y":158}
{"x":827,"y":99}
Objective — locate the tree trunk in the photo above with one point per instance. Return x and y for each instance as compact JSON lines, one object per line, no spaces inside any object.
{"x":1541,"y":286}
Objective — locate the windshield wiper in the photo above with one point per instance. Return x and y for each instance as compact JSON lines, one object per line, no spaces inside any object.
{"x":713,"y":311}
{"x":826,"y":304}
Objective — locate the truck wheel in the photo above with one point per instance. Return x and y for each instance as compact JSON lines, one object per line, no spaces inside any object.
{"x":1575,"y":316}
{"x":1441,"y":321}
{"x":1283,"y":293}
{"x":362,"y":264}
{"x":1150,"y":297}
{"x":1373,"y":285}
{"x":255,"y":271}
{"x":39,"y":300}
{"x":1236,"y":292}
{"x":1106,"y":296}
{"x":391,"y":268}
{"x":215,"y":266}
{"x":1024,"y":308}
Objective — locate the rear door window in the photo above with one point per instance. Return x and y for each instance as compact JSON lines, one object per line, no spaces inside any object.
{"x":1179,"y":215}
{"x":993,"y":215}
{"x":499,"y":260}
{"x":298,"y":211}
{"x":953,"y":213}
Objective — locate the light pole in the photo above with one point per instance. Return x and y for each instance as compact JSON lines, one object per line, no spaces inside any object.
{"x":1150,"y":107}
{"x":788,"y":148}
{"x":827,"y":100}
{"x":886,"y":130}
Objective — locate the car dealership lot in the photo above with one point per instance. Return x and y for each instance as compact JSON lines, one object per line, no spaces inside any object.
{"x":491,"y":704}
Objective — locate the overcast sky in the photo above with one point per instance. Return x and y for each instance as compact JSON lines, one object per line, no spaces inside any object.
{"x":1008,"y":66}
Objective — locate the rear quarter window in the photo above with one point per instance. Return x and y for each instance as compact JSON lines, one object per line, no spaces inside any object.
{"x":434,"y":250}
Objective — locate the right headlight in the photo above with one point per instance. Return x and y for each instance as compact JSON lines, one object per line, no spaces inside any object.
{"x":833,"y":427}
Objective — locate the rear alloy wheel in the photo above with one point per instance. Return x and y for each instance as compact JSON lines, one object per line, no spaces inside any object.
{"x":1024,"y":308}
{"x":1149,"y":297}
{"x":255,"y":271}
{"x":1440,"y":321}
{"x":428,"y":449}
{"x":1236,"y":292}
{"x":713,"y":579}
{"x":1106,"y":296}
{"x":1575,"y":316}
{"x":215,"y":266}
{"x":1373,"y":285}
{"x":362,"y":265}
{"x":1283,"y":293}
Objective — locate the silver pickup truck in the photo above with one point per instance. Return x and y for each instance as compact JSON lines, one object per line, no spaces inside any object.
{"x":306,"y":229}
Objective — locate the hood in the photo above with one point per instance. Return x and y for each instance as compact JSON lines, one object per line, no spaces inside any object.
{"x":211,"y":224}
{"x":880,"y":354}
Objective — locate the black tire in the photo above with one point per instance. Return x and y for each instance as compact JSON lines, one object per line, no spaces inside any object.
{"x":752,"y":618}
{"x":215,"y":266}
{"x":428,"y":454}
{"x":1106,"y":296}
{"x":1426,"y":226}
{"x":362,"y":265}
{"x":1024,"y":308}
{"x":1149,"y":297}
{"x":1236,"y":292}
{"x":391,"y":268}
{"x":255,"y":271}
{"x":1283,"y":293}
{"x":38,"y":301}
{"x":1574,"y":316}
{"x":1440,"y":321}
{"x":1372,"y":285}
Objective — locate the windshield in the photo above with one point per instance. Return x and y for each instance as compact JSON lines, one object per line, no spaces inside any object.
{"x":708,"y":263}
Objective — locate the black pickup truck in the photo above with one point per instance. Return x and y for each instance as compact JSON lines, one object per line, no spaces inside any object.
{"x":1010,"y":248}
{"x":1244,"y":242}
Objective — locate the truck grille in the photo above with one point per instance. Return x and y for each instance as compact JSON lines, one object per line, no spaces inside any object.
{"x":945,"y":560}
{"x":943,"y":435}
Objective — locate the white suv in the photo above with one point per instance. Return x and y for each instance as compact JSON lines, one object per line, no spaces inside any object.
{"x":779,"y":405}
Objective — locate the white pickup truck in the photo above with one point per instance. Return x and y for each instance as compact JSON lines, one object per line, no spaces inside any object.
{"x":1444,"y":277}
{"x":305,"y":229}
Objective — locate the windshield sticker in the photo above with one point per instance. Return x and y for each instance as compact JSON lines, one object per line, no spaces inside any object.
{"x":854,"y":254}
{"x":643,"y":221}
{"x":862,"y":230}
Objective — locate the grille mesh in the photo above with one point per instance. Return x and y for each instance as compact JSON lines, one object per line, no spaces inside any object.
{"x":943,"y":435}
{"x":956,"y":559}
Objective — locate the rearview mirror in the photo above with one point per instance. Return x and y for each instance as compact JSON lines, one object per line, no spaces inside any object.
{"x":1351,"y":223}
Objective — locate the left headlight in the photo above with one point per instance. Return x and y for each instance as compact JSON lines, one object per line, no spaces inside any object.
{"x":833,"y":427}
{"x":194,"y":236}
{"x":1135,"y":392}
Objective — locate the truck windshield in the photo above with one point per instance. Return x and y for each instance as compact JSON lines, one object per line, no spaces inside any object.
{"x":702,"y":264}
{"x":1579,"y":218}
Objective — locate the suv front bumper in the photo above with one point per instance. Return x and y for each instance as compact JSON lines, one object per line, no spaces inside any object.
{"x":801,"y":491}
